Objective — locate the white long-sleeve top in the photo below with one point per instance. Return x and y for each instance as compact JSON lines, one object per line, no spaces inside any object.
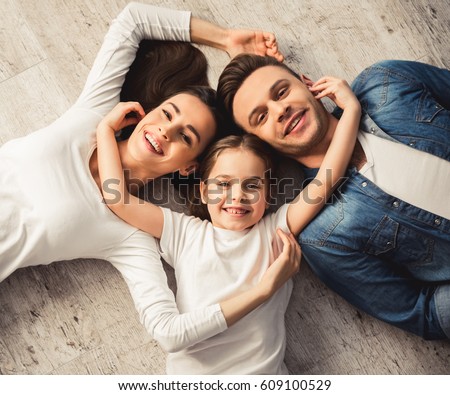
{"x":213,"y":264}
{"x":51,"y":207}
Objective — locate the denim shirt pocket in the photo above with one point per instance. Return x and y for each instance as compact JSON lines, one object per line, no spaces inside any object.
{"x":398,"y":243}
{"x":429,"y":111}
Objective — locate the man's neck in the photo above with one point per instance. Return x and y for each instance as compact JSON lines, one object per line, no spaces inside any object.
{"x":315,"y":158}
{"x":316,"y":155}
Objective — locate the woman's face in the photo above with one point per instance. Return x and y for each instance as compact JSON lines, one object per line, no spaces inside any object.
{"x":170,"y":137}
{"x":236,"y":191}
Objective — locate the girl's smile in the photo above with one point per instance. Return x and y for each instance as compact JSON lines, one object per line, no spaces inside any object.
{"x":235,"y":191}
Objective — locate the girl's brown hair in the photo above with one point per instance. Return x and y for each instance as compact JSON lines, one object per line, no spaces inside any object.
{"x":246,"y":142}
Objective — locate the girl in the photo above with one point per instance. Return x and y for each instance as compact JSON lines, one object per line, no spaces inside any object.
{"x":49,"y":186}
{"x":217,"y":260}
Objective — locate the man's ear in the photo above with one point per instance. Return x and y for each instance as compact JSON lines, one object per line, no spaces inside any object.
{"x":189,"y":168}
{"x":306,"y":80}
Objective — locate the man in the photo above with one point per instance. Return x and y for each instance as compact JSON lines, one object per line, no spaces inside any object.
{"x":383,"y":241}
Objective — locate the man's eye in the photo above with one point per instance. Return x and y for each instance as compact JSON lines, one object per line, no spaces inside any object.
{"x":261,"y":117}
{"x":281,"y":93}
{"x":167,"y":114}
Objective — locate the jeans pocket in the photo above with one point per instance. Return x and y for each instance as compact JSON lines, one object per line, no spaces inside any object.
{"x":431,"y":112}
{"x":400,"y":244}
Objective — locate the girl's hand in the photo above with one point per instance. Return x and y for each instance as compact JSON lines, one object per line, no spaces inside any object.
{"x":252,"y":41}
{"x":285,"y":266}
{"x":117,"y":118}
{"x":336,"y":89}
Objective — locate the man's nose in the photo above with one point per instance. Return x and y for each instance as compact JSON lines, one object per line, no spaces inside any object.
{"x":280,"y":110}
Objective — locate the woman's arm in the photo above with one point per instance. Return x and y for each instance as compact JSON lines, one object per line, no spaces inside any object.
{"x":138,"y":22}
{"x":138,"y":213}
{"x":281,"y":270}
{"x":135,"y":23}
{"x":311,"y":200}
{"x":235,"y":41}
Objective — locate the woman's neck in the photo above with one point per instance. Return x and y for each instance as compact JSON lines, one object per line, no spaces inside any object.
{"x":135,"y":176}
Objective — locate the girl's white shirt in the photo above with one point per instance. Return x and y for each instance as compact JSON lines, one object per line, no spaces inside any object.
{"x":213,"y":264}
{"x":52,"y":210}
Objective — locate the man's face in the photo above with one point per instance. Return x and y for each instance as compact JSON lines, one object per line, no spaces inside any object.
{"x":279,"y":108}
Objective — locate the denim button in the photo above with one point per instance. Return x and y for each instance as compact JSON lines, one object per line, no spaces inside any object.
{"x":372,"y":130}
{"x":396,"y":204}
{"x":437,"y":221}
{"x":364,"y":184}
{"x":412,"y":143}
{"x":389,"y":243}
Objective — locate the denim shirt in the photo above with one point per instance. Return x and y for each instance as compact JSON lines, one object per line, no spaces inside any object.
{"x":383,"y":255}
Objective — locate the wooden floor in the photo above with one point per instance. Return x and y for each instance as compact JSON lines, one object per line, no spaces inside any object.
{"x":77,"y":317}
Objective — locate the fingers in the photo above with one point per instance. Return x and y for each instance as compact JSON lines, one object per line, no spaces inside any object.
{"x":291,"y":248}
{"x":272,"y":46}
{"x":328,"y":87}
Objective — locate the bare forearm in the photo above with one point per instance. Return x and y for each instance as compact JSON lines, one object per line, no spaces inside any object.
{"x":207,"y":33}
{"x":239,"y":306}
{"x":340,"y":151}
{"x":110,"y":167}
{"x":312,"y":199}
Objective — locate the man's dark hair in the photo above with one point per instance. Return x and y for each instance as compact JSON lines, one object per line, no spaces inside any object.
{"x":237,"y":71}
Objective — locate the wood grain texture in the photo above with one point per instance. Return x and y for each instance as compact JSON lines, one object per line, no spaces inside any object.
{"x":77,"y":317}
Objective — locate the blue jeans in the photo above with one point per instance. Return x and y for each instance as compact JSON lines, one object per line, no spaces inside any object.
{"x":383,"y":255}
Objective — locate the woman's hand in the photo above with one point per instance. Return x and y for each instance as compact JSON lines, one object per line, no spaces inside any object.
{"x":284,"y":267}
{"x":334,"y":88}
{"x":253,"y":42}
{"x":122,"y":115}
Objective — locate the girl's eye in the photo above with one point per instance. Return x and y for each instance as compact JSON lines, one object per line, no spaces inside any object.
{"x":223,"y":184}
{"x":261,"y":117}
{"x":253,"y":186}
{"x":167,"y":114}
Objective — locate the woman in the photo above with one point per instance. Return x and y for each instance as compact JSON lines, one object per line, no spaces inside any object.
{"x":52,"y":207}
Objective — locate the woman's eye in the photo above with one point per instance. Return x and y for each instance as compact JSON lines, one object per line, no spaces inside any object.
{"x":186,"y":139}
{"x":223,"y":184}
{"x":167,"y":114}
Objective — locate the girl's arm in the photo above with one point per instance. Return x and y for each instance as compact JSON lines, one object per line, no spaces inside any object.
{"x":311,"y":200}
{"x":281,"y":270}
{"x":138,"y":213}
{"x":149,"y":218}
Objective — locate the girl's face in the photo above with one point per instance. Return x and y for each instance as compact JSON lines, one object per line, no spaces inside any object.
{"x":170,"y":137}
{"x":235,"y":191}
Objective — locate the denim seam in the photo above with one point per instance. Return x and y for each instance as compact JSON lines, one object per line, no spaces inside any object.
{"x":438,"y":296}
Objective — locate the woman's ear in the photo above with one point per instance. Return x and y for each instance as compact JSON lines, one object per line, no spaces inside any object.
{"x":189,"y":168}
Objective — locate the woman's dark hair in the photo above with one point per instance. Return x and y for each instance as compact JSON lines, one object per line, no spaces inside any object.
{"x":245,"y":142}
{"x":163,"y":69}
